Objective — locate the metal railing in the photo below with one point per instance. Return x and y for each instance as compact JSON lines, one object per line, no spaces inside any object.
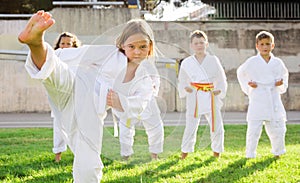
{"x":256,"y":10}
{"x":14,"y":55}
{"x":15,"y":15}
{"x":14,"y":52}
{"x":224,"y":10}
{"x":20,"y":55}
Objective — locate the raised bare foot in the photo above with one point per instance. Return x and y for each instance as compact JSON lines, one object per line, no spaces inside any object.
{"x":35,"y":28}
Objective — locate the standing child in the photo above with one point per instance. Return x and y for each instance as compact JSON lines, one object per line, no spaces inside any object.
{"x":65,"y":40}
{"x":203,"y":82}
{"x":78,"y":92}
{"x":263,"y":78}
{"x":137,"y":42}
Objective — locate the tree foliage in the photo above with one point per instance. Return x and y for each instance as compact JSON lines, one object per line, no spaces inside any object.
{"x":24,"y":6}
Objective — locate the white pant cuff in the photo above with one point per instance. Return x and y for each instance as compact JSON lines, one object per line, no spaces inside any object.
{"x":56,"y":150}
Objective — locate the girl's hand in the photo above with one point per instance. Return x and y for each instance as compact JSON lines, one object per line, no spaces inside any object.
{"x":278,"y":83}
{"x":188,"y":89}
{"x":112,"y":100}
{"x":252,"y":84}
{"x":217,"y":92}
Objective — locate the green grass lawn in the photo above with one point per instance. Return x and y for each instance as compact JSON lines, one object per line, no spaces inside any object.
{"x":26,"y":156}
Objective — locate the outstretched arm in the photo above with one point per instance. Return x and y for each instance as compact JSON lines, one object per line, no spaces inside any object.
{"x":33,"y":36}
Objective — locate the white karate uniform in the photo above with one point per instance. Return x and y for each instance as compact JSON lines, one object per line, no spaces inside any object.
{"x":78,"y":99}
{"x":265,"y":103}
{"x":209,"y":71}
{"x":142,"y":89}
{"x":59,"y":144}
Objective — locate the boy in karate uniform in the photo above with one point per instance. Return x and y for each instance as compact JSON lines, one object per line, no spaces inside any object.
{"x":264,"y":78}
{"x":203,"y":82}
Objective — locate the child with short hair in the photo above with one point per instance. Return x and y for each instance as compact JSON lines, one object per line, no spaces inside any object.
{"x":202,"y":81}
{"x":264,"y":78}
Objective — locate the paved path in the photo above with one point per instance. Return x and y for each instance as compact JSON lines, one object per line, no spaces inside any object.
{"x":26,"y":120}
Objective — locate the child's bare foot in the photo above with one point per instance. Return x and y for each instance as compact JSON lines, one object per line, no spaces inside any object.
{"x":125,"y":158}
{"x":277,"y":157}
{"x":183,"y":155}
{"x":216,"y":154}
{"x":57,"y":157}
{"x":34,"y":30}
{"x":154,"y":156}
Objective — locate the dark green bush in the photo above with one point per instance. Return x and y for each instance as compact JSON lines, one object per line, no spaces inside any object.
{"x":24,"y":6}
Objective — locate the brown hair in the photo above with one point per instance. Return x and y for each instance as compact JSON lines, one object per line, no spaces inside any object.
{"x":75,"y":44}
{"x":264,"y":35}
{"x":198,"y":34}
{"x":136,"y":26}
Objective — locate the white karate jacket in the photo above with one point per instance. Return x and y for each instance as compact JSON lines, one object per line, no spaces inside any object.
{"x":77,"y":81}
{"x":139,"y":91}
{"x":265,"y":100}
{"x":209,"y":71}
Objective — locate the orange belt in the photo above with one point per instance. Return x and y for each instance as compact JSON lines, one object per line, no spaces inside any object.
{"x":206,"y":87}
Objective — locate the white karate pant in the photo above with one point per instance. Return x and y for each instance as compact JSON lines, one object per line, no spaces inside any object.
{"x":154,"y":130}
{"x":276,"y":132}
{"x":59,"y":144}
{"x":87,"y":165}
{"x":191,"y":128}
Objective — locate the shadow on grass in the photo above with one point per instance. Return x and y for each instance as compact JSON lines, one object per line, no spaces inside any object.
{"x":236,"y":171}
{"x":163,"y":171}
{"x":146,"y":173}
{"x":62,"y":177}
{"x":185,"y":169}
{"x":117,"y":165}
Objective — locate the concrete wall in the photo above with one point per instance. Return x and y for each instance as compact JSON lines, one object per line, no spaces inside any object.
{"x":232,"y":42}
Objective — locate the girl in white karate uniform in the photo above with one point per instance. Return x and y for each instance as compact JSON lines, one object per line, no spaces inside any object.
{"x":264,"y":78}
{"x":78,"y":91}
{"x":138,"y":44}
{"x":65,"y":40}
{"x":203,"y":82}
